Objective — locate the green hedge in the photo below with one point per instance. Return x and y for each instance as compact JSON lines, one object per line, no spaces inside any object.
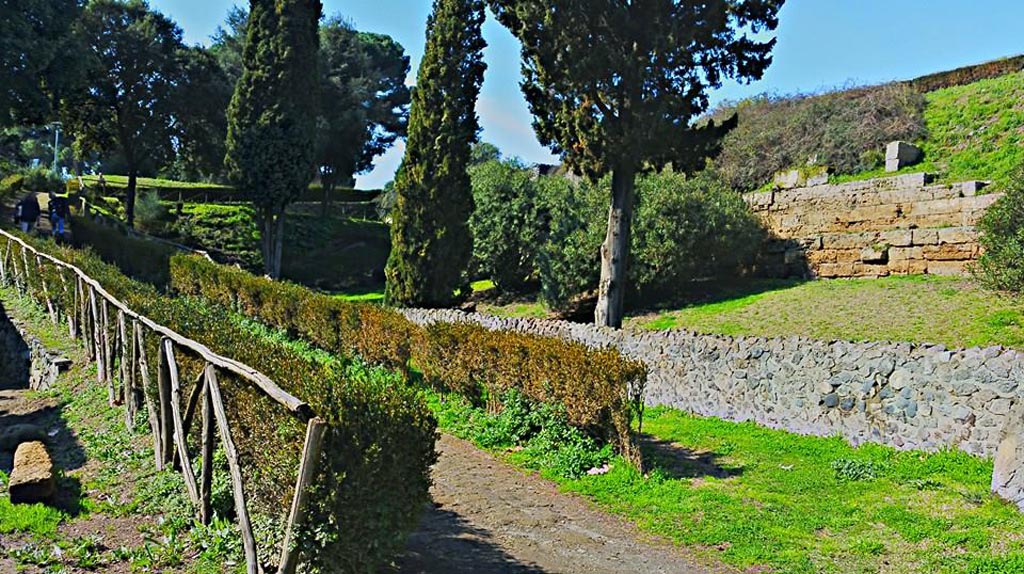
{"x":600,"y":389}
{"x":374,"y":478}
{"x":145,"y":260}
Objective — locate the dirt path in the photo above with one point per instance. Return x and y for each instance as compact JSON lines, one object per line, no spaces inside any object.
{"x":491,"y":518}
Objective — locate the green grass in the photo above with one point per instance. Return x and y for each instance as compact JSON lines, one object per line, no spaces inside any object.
{"x":37,"y":519}
{"x":758,"y":497}
{"x":521,"y":310}
{"x":149,"y":182}
{"x":949,"y":311}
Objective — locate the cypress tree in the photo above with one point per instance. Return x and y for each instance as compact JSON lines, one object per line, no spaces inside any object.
{"x":272,"y":116}
{"x":430,"y":240}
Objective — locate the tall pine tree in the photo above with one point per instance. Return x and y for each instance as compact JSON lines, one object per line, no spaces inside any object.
{"x":430,"y":240}
{"x":272,"y":116}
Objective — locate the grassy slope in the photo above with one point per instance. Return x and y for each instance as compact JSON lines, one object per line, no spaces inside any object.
{"x":118,"y":487}
{"x":807,"y":504}
{"x":975,"y":131}
{"x":949,"y":311}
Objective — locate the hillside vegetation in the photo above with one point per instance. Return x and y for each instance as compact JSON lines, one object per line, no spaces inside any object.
{"x":972,"y":131}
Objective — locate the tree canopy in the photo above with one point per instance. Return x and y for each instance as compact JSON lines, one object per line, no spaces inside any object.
{"x":272,"y":115}
{"x":430,"y":240}
{"x":131,"y":64}
{"x":34,"y":60}
{"x":614,"y":87}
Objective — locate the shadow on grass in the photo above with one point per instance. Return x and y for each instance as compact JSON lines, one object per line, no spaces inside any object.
{"x":712,"y":292}
{"x":446,"y":543}
{"x":677,"y":461}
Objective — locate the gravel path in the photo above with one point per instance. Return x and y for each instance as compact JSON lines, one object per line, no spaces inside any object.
{"x":488,"y":517}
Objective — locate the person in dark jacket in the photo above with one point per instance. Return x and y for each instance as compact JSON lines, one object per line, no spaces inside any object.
{"x":28,"y":212}
{"x":58,"y":213}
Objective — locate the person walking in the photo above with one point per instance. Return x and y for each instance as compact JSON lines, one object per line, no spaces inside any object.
{"x":28,"y":212}
{"x":59,"y":211}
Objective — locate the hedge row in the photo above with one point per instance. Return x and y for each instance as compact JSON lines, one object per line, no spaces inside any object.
{"x":600,"y":389}
{"x":141,"y":259}
{"x":374,"y":477}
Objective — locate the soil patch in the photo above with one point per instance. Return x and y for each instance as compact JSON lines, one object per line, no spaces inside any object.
{"x":489,"y":517}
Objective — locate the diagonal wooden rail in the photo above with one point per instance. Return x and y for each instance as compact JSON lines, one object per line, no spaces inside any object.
{"x":112,"y":341}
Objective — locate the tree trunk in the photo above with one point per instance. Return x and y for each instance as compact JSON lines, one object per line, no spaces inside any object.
{"x":129,"y":200}
{"x":615,"y":250}
{"x":327,"y":189}
{"x":272,"y":241}
{"x":278,"y":243}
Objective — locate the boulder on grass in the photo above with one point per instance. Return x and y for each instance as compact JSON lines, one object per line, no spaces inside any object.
{"x":32,"y":479}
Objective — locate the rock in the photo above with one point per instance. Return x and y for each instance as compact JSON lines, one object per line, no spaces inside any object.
{"x":875,"y":254}
{"x":1007,"y":478}
{"x":900,"y":154}
{"x":14,"y":435}
{"x":831,"y":400}
{"x":32,"y":479}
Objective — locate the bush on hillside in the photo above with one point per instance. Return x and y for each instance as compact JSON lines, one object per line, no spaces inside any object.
{"x":1001,"y":266}
{"x":150,"y":214}
{"x":507,"y":224}
{"x":42,"y":179}
{"x":843,"y":130}
{"x":379,"y":445}
{"x":11,"y":185}
{"x":569,"y":259}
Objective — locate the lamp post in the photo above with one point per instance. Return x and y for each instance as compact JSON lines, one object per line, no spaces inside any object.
{"x":56,"y":144}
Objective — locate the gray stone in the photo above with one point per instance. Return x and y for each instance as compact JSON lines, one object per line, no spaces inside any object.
{"x":1007,"y":477}
{"x":830,"y":400}
{"x":900,"y":378}
{"x":900,"y":154}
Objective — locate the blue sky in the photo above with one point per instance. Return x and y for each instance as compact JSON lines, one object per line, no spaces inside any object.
{"x":821,"y":43}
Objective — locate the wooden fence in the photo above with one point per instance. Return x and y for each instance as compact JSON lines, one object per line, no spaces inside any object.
{"x":114,"y":337}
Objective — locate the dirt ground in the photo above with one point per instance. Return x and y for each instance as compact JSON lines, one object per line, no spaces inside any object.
{"x":489,"y":517}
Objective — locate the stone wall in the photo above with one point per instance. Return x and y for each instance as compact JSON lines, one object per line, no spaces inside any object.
{"x":895,"y":225}
{"x":900,"y":394}
{"x":24,"y":360}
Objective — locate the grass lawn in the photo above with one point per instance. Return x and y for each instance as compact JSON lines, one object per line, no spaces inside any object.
{"x":950,"y":311}
{"x":149,"y":182}
{"x":759,"y":497}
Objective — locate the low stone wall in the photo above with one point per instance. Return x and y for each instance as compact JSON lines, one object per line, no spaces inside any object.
{"x":24,"y":360}
{"x":893,"y":225}
{"x":899,"y":394}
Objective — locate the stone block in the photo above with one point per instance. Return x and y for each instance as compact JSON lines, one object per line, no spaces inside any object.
{"x":787,"y":179}
{"x":925,"y":236}
{"x":898,"y":237}
{"x":32,"y":479}
{"x":878,"y":253}
{"x":958,"y":235}
{"x":971,"y":188}
{"x":1007,"y":480}
{"x":905,"y":253}
{"x":948,"y":252}
{"x":899,"y":154}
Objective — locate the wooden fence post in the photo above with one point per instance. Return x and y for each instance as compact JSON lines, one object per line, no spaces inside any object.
{"x":163,"y":383}
{"x":206,"y":486}
{"x":154,"y":421}
{"x":96,"y":338}
{"x":307,"y":470}
{"x":181,"y":439}
{"x":248,"y":541}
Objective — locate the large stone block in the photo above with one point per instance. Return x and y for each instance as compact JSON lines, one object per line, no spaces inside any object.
{"x":900,"y":154}
{"x":32,"y":479}
{"x":1008,"y":472}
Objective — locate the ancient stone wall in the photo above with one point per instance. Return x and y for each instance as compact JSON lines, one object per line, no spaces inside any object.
{"x":890,"y":226}
{"x":899,"y":394}
{"x":24,"y":360}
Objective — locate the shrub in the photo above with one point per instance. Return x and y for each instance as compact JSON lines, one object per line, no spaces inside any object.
{"x":374,"y":476}
{"x":968,"y":74}
{"x":141,"y":259}
{"x":1001,"y":265}
{"x":507,"y":224}
{"x":688,"y":229}
{"x":42,"y":179}
{"x":685,"y":229}
{"x":835,"y":129}
{"x":11,"y":185}
{"x":150,"y":214}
